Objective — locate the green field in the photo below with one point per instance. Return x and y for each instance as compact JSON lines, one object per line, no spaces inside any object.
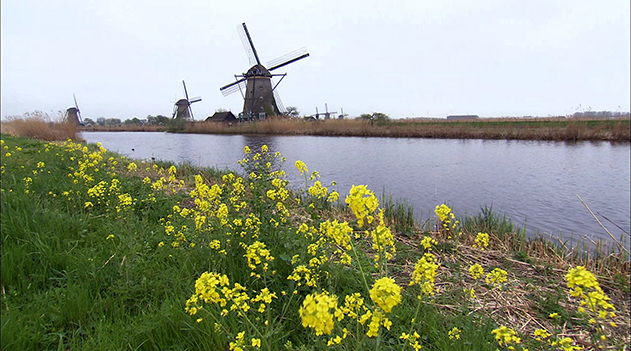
{"x":100,"y":252}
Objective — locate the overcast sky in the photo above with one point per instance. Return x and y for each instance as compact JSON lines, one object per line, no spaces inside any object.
{"x":127,"y":58}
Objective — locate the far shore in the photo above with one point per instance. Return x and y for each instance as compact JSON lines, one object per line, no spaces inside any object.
{"x":557,"y":128}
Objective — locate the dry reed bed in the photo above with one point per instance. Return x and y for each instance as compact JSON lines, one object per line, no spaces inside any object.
{"x":543,"y":275}
{"x":39,"y":128}
{"x":552,"y":129}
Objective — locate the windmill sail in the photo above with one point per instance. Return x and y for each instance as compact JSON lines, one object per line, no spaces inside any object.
{"x":288,"y":58}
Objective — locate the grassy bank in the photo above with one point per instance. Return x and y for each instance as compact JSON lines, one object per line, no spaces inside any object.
{"x":99,"y":252}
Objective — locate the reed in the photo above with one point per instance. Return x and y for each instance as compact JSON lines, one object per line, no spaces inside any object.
{"x":566,"y":129}
{"x":39,"y":125}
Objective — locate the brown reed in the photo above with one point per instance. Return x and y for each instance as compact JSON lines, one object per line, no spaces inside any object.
{"x":39,"y":125}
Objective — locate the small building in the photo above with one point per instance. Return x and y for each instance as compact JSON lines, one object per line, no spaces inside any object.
{"x":462,"y":117}
{"x":226,"y":117}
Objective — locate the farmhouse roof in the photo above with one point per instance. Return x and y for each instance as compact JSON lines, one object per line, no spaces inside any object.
{"x":222,"y":117}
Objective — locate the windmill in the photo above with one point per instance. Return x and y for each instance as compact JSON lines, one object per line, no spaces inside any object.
{"x":182,"y":108}
{"x":326,"y":114}
{"x":73,"y":114}
{"x":260,"y":98}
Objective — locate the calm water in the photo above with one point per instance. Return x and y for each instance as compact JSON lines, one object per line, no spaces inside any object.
{"x":533,"y":182}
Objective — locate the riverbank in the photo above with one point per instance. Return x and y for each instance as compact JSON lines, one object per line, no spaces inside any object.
{"x":102,"y":252}
{"x":487,"y":128}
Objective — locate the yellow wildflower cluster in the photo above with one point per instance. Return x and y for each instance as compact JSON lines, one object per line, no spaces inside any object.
{"x":382,"y":240}
{"x":257,"y":254}
{"x":583,"y":285}
{"x":363,"y":202}
{"x":448,"y":220}
{"x":318,"y":311}
{"x":482,"y":240}
{"x":425,"y":274}
{"x":454,"y":333}
{"x":386,"y":293}
{"x":476,"y":271}
{"x":506,"y":337}
{"x":427,"y":243}
{"x":497,"y":277}
{"x":412,"y":340}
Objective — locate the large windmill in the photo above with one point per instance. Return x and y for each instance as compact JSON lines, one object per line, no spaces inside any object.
{"x":260,"y":98}
{"x":182,"y":108}
{"x":73,"y":114}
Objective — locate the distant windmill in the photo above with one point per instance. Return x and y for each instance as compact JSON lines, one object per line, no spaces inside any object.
{"x":342,"y":114}
{"x":260,"y":97}
{"x":182,"y":108}
{"x":326,"y":114}
{"x":73,"y":114}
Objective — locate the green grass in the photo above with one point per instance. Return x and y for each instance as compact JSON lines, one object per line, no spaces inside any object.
{"x":108,"y":277}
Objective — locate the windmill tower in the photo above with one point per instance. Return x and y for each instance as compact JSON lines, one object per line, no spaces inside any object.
{"x":327,"y":114}
{"x":182,"y":108}
{"x":259,"y":95}
{"x":73,"y":114}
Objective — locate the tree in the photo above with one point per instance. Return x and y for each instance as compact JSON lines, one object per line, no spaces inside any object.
{"x":89,"y":122}
{"x":134,"y":120}
{"x":113,"y":122}
{"x":100,"y":121}
{"x":292,"y":111}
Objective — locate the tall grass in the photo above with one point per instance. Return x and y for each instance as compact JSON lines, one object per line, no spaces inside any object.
{"x":39,"y":125}
{"x":494,"y":128}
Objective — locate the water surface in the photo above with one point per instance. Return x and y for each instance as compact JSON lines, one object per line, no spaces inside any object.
{"x":533,"y":182}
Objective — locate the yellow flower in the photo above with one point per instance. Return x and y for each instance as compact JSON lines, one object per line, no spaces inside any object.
{"x":132,"y":167}
{"x":111,"y":236}
{"x":476,"y":271}
{"x":256,"y":342}
{"x":482,"y":240}
{"x":363,"y":202}
{"x":425,"y":274}
{"x":505,"y":336}
{"x":427,"y":243}
{"x":386,"y":293}
{"x":246,"y":149}
{"x":454,"y":333}
{"x":496,"y":277}
{"x":302,"y":167}
{"x":88,"y":204}
{"x":318,"y":311}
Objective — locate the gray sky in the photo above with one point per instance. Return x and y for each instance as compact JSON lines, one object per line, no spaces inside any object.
{"x":404,"y":58}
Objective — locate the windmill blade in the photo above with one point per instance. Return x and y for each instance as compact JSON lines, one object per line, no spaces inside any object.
{"x":285,"y":63}
{"x":232,"y":84}
{"x":287,"y":57}
{"x":195,"y":99}
{"x":250,"y":45}
{"x":185,"y":92}
{"x":190,"y":112}
{"x":279,"y":103}
{"x":234,"y":88}
{"x":246,"y":45}
{"x":76,"y":105}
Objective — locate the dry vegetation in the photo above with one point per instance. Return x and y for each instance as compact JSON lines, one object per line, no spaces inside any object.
{"x":497,"y":128}
{"x":39,"y":125}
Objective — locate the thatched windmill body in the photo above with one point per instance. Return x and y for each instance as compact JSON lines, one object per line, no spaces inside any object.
{"x":182,"y":108}
{"x":73,"y":114}
{"x":259,"y":93}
